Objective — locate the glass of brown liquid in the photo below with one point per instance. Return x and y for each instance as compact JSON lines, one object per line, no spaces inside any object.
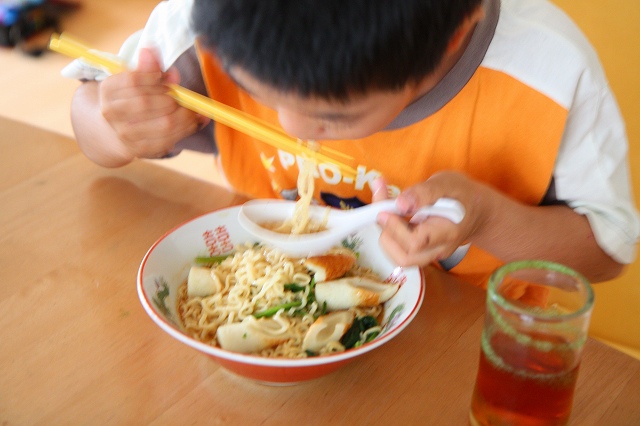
{"x":535,"y":327}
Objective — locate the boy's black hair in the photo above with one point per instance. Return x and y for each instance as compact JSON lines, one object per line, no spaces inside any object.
{"x":330,"y":48}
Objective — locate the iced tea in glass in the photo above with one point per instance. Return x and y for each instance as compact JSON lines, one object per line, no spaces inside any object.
{"x":536,"y":324}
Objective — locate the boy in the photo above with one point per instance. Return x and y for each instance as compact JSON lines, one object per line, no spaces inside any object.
{"x":500,"y":105}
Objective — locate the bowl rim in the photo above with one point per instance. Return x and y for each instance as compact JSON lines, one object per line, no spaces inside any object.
{"x":255,"y":359}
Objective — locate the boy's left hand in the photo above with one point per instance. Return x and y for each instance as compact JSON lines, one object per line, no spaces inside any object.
{"x":435,"y":238}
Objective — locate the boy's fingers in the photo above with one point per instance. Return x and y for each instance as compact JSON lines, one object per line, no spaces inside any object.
{"x":172,"y":76}
{"x":380,"y":191}
{"x":417,"y":245}
{"x":148,"y":61}
{"x":399,"y":254}
{"x":135,"y":107}
{"x":173,"y":126}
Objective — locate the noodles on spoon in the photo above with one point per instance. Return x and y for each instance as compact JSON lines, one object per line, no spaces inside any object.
{"x":301,"y":222}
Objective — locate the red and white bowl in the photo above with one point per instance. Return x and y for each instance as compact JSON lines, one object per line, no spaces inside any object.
{"x":167,"y":263}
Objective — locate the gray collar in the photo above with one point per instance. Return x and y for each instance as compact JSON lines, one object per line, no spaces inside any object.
{"x":458,"y":76}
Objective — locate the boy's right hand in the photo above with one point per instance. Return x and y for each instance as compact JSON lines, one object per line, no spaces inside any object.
{"x":435,"y":238}
{"x":146,"y":120}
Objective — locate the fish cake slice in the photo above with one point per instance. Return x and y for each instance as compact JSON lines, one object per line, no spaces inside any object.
{"x":330,"y":266}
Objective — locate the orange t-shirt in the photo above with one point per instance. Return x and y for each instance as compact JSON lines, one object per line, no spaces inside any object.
{"x":496,"y":130}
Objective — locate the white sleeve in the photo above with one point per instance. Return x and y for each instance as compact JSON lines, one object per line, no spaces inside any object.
{"x":168,"y":30}
{"x":592,"y":171}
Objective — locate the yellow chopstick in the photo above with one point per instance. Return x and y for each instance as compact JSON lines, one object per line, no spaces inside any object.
{"x":221,"y":113}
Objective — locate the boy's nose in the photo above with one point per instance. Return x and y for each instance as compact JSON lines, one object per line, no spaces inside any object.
{"x":301,"y":126}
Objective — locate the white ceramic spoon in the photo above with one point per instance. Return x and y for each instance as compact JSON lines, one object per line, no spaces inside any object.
{"x":340,"y":223}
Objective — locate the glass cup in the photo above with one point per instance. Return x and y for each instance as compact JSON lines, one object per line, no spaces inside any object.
{"x":535,"y":327}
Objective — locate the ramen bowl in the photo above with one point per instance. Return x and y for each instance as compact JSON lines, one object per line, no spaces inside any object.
{"x":166,"y":266}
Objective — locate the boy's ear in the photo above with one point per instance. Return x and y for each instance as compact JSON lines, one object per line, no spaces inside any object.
{"x":467,"y":25}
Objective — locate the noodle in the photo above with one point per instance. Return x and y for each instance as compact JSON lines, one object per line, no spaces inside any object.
{"x":301,"y":222}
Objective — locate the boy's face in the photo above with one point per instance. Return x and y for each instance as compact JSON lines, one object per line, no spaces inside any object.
{"x":321,"y":119}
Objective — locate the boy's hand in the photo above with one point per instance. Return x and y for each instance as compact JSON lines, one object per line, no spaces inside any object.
{"x":435,"y":238}
{"x":146,"y":120}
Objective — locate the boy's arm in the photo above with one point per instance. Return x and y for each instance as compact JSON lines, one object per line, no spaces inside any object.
{"x":511,"y":231}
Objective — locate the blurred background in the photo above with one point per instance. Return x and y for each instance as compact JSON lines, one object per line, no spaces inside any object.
{"x":32,"y":91}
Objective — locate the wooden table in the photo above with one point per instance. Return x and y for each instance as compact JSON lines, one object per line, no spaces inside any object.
{"x":76,"y":346}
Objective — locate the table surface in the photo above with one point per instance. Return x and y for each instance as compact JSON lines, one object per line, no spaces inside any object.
{"x":76,"y":346}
